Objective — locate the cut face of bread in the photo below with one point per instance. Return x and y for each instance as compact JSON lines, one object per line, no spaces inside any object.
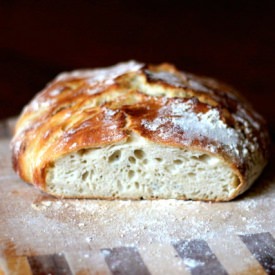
{"x":141,"y":169}
{"x":136,"y":131}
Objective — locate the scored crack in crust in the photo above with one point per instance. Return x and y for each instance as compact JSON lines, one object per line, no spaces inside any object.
{"x":139,"y":131}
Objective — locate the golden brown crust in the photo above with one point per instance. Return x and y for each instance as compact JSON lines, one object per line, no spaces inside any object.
{"x":94,"y":108}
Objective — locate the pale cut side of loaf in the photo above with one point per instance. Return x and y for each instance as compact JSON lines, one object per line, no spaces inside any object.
{"x":136,"y":131}
{"x":140,"y":169}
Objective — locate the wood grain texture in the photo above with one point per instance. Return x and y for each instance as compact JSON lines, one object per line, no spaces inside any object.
{"x":49,"y":264}
{"x":125,"y":260}
{"x":199,"y":258}
{"x":262,"y":246}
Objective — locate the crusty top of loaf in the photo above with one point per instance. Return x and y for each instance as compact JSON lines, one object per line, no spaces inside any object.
{"x":94,"y":108}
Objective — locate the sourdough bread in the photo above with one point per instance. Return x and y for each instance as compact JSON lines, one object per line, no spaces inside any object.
{"x":135,"y":131}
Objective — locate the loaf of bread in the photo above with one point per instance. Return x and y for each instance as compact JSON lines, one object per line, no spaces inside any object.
{"x":137,"y":131}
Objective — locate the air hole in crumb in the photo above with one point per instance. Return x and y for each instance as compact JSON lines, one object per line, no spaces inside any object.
{"x":137,"y":185}
{"x":131,"y":174}
{"x":84,"y":176}
{"x":51,"y":165}
{"x":159,"y":159}
{"x":235,"y":183}
{"x":191,"y":174}
{"x":132,"y":159}
{"x":139,"y":154}
{"x":81,"y":152}
{"x":68,"y":172}
{"x":202,"y":158}
{"x":114,"y":157}
{"x":177,"y":161}
{"x":145,"y":161}
{"x":225,"y":189}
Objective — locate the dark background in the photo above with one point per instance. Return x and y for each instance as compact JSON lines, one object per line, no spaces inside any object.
{"x":230,"y":40}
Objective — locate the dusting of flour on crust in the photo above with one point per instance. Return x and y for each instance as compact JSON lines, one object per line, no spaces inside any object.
{"x":195,"y":125}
